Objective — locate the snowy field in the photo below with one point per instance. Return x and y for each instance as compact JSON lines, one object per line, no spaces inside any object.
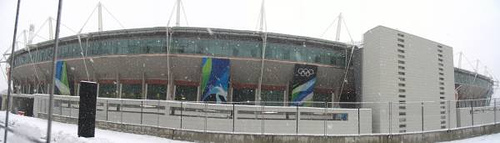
{"x":29,"y":130}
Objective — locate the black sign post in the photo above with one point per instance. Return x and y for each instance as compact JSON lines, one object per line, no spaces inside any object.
{"x":87,"y":110}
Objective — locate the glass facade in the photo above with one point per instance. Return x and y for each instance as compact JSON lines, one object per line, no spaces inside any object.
{"x":320,"y":98}
{"x":132,"y":91}
{"x":245,"y":96}
{"x":194,"y":45}
{"x":272,"y":97}
{"x":463,"y":78}
{"x":107,"y":90}
{"x":186,"y":93}
{"x":157,"y":91}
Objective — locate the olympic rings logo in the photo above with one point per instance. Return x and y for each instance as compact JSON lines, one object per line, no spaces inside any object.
{"x":305,"y":72}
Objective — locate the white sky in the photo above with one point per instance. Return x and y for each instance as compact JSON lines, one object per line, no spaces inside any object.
{"x":472,"y":27}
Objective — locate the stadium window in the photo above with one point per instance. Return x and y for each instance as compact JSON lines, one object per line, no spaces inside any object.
{"x":441,"y":69}
{"x":439,"y":59}
{"x":441,"y":78}
{"x":272,"y":97}
{"x":401,"y":84}
{"x":107,"y":90}
{"x":157,"y":91}
{"x":131,"y":91}
{"x":401,"y":51}
{"x":244,"y":95}
{"x":401,"y":40}
{"x":402,"y":79}
{"x":402,"y":96}
{"x":440,"y":55}
{"x":401,"y":45}
{"x":442,"y":93}
{"x":402,"y":119}
{"x":402,"y":125}
{"x":441,"y":83}
{"x":441,"y":73}
{"x":401,"y":67}
{"x":440,"y":64}
{"x":402,"y":107}
{"x":401,"y":35}
{"x":401,"y":56}
{"x":439,"y":50}
{"x":441,"y":97}
{"x":401,"y":62}
{"x":186,"y":93}
{"x":439,"y":46}
{"x":402,"y":90}
{"x":402,"y":113}
{"x":442,"y":88}
{"x":401,"y":73}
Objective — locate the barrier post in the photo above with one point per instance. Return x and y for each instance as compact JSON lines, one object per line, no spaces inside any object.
{"x":182,"y":110}
{"x":142,"y":110}
{"x":422,"y":112}
{"x":390,"y":118}
{"x":495,"y":110}
{"x":325,"y":114}
{"x":472,"y":112}
{"x":359,"y":121}
{"x":234,"y":116}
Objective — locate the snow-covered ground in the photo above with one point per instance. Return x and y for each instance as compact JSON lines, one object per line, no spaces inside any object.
{"x":28,"y":130}
{"x":493,"y":138}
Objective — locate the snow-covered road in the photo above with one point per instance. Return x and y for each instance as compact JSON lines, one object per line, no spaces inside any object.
{"x":28,"y":130}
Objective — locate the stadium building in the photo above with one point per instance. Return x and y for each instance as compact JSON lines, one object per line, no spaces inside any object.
{"x":260,"y":68}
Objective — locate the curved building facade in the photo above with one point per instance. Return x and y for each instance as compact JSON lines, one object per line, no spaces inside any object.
{"x":136,"y":63}
{"x":156,"y":63}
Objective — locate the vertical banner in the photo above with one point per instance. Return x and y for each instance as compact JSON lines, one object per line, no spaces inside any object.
{"x":215,"y":79}
{"x":304,"y":79}
{"x":61,"y":80}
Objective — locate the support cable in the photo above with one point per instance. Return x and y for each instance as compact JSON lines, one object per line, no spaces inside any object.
{"x":348,"y":62}
{"x":113,"y":16}
{"x":326,"y":30}
{"x":183,"y":11}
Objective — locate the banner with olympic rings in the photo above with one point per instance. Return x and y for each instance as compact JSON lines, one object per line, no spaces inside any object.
{"x":303,"y":82}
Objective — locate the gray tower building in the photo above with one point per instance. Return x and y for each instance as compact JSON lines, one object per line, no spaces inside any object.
{"x":399,"y":71}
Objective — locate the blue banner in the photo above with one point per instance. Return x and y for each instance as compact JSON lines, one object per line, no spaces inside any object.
{"x":215,"y":79}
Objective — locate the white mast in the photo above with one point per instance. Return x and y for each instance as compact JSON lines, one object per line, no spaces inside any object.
{"x":99,"y":17}
{"x":178,"y":13}
{"x":339,"y":26}
{"x":262,"y":17}
{"x":460,"y":60}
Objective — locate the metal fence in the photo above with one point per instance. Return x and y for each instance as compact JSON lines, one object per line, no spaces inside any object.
{"x":314,"y":118}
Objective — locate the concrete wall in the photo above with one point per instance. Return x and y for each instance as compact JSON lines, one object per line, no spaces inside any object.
{"x":200,"y":136}
{"x":218,"y":117}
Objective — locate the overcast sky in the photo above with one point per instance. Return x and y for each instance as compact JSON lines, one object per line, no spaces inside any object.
{"x":472,"y":27}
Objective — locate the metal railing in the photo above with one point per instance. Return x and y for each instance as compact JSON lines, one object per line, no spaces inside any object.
{"x":313,"y":118}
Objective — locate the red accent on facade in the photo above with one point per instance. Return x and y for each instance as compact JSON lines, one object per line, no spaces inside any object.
{"x":106,"y":81}
{"x":130,"y":81}
{"x":244,"y":86}
{"x":156,"y":81}
{"x":186,"y":83}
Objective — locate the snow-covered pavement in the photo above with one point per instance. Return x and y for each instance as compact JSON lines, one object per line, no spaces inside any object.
{"x":28,"y":130}
{"x":493,"y":138}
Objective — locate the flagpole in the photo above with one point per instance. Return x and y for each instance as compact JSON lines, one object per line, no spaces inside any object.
{"x":54,"y":58}
{"x":9,"y":80}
